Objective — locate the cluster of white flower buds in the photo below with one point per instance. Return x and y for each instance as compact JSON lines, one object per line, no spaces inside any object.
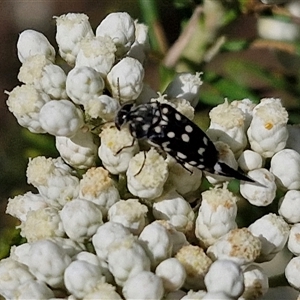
{"x":130,"y":227}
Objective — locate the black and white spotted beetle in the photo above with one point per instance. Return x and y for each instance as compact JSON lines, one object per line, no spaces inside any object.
{"x":166,"y":128}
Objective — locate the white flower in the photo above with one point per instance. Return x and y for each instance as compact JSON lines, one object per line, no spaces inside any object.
{"x":172,"y":274}
{"x":81,"y":278}
{"x":175,"y":209}
{"x":273,"y":233}
{"x":81,"y":219}
{"x":191,"y":295}
{"x":41,"y":224}
{"x":103,"y":291}
{"x":250,"y":160}
{"x":20,"y":205}
{"x":196,"y":264}
{"x":32,"y":43}
{"x":292,"y":272}
{"x":294,"y":241}
{"x":33,"y":289}
{"x":144,"y":285}
{"x":225,"y":276}
{"x":79,"y":151}
{"x":44,"y":75}
{"x":25,"y":102}
{"x":47,"y":262}
{"x":268,"y":133}
{"x":120,"y":28}
{"x":71,"y":28}
{"x":157,"y":243}
{"x":53,"y":179}
{"x":256,"y":282}
{"x":141,"y":45}
{"x":238,"y":245}
{"x":261,"y":194}
{"x":125,"y":79}
{"x":289,"y":206}
{"x":84,"y":83}
{"x":246,"y":106}
{"x":106,"y":235}
{"x":127,"y":258}
{"x":97,"y":53}
{"x":61,"y":118}
{"x":181,"y":179}
{"x":104,"y":107}
{"x":227,"y":125}
{"x":98,"y":187}
{"x":12,"y":275}
{"x":20,"y":253}
{"x":146,"y":174}
{"x":216,"y":215}
{"x":282,"y":161}
{"x":116,"y":149}
{"x":131,"y":213}
{"x":185,"y":86}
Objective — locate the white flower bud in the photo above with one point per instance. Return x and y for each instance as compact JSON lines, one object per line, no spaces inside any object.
{"x":282,"y":161}
{"x":256,"y":282}
{"x":293,"y":141}
{"x":186,"y":86}
{"x":225,"y":276}
{"x":141,"y":45}
{"x":227,"y":125}
{"x":131,"y":213}
{"x":103,"y":291}
{"x":196,"y":264}
{"x":120,"y":28}
{"x":261,"y":194}
{"x":71,"y":28}
{"x":146,"y":174}
{"x":175,"y":209}
{"x":289,"y":206}
{"x":48,"y":261}
{"x":144,"y":285}
{"x":181,"y":179}
{"x":273,"y":233}
{"x":79,"y":151}
{"x":104,"y":107}
{"x":172,"y":274}
{"x":250,"y":160}
{"x":61,"y":118}
{"x":246,"y":106}
{"x":20,"y":205}
{"x":32,"y":43}
{"x":292,"y":272}
{"x":116,"y":149}
{"x":41,"y":224}
{"x":81,"y":219}
{"x":238,"y":245}
{"x":44,"y":75}
{"x":195,"y":295}
{"x":97,"y":53}
{"x":216,"y":215}
{"x":33,"y":289}
{"x":268,"y":133}
{"x":12,"y":275}
{"x":82,"y":277}
{"x":294,"y":241}
{"x":156,"y":242}
{"x":53,"y":179}
{"x":106,"y":235}
{"x":84,"y":83}
{"x":25,"y":102}
{"x":98,"y":187}
{"x":125,"y":79}
{"x":127,"y":258}
{"x":20,"y":253}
